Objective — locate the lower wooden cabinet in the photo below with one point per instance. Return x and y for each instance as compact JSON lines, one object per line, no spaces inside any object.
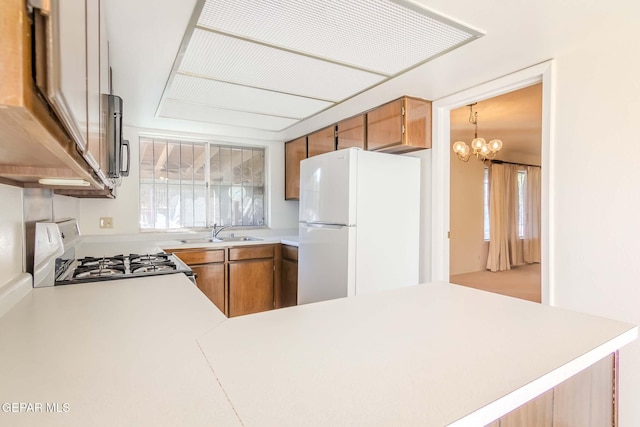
{"x":289,"y":282}
{"x":211,"y":281}
{"x":210,"y":269}
{"x":250,"y":286}
{"x":239,"y":280}
{"x":587,"y":399}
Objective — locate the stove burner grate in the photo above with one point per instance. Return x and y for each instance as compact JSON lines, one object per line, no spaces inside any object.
{"x":98,"y":271}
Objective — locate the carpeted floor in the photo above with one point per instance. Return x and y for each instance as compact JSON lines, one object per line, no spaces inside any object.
{"x":520,"y":282}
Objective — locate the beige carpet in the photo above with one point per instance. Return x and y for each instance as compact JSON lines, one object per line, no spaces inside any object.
{"x":520,"y":282}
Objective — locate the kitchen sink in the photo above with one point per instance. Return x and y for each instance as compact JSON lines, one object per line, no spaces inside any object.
{"x":238,"y":238}
{"x":221,"y":239}
{"x":201,"y":240}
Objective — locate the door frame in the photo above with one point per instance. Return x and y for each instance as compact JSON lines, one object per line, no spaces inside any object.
{"x":441,"y":132}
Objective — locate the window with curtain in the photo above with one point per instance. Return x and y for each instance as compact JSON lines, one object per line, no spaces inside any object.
{"x":197,"y":184}
{"x":521,"y":210}
{"x":514,"y":215}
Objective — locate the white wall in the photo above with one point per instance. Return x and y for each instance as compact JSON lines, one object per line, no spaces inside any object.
{"x":11,"y":233}
{"x":596,"y":189}
{"x":125,"y":208}
{"x":425,"y":157}
{"x":467,"y":245}
{"x":65,"y":207}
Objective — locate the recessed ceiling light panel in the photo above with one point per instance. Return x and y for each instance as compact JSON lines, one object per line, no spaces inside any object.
{"x":235,"y":60}
{"x":377,"y":35}
{"x":243,"y":98}
{"x":203,"y":113}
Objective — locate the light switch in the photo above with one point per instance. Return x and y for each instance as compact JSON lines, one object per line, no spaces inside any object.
{"x":106,"y":222}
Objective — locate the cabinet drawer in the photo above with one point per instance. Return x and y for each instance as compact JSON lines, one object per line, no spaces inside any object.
{"x":201,"y":257}
{"x":290,"y":252}
{"x":250,"y":252}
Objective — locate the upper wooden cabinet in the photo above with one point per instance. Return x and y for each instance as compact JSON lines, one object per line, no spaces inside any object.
{"x":351,"y":132}
{"x":33,"y":142}
{"x":400,"y":126}
{"x":397,"y":127}
{"x":294,"y":152}
{"x":97,"y":84}
{"x":322,"y":141}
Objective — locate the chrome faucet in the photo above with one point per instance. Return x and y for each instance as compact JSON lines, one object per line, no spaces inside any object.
{"x":215,"y":230}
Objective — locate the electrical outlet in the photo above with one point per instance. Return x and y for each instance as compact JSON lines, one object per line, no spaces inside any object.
{"x":106,"y":222}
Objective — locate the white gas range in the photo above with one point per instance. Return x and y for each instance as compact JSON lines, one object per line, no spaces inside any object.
{"x":54,"y":261}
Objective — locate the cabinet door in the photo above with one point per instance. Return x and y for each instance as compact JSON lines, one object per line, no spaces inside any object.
{"x":322,"y":141}
{"x":417,"y":123}
{"x":250,"y":287}
{"x":211,"y":282}
{"x":289,"y":283}
{"x":294,"y":152}
{"x":400,"y":126}
{"x":67,"y":87}
{"x":351,"y":132}
{"x":384,"y":125}
{"x":93,"y":154}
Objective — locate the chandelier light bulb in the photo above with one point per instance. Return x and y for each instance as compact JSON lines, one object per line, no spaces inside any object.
{"x":495,"y":145}
{"x":484,"y":150}
{"x":458,"y":147}
{"x":478,"y":143}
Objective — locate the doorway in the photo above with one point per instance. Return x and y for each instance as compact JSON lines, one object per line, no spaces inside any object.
{"x":441,"y":165}
{"x":513,"y":266}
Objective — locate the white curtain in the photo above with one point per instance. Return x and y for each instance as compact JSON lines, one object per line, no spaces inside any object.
{"x":504,"y":248}
{"x":532,"y":221}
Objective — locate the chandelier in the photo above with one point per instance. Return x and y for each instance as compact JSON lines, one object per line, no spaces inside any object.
{"x":481,"y":149}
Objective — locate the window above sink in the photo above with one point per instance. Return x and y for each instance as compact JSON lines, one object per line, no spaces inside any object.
{"x":193,"y":185}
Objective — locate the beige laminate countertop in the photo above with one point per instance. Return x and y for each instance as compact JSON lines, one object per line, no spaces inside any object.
{"x":155,"y":352}
{"x":142,"y":244}
{"x":119,"y":352}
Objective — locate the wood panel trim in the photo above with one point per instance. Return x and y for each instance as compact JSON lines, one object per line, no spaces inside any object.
{"x":277,"y":275}
{"x":417,"y":122}
{"x":290,"y":252}
{"x":616,"y":387}
{"x":292,"y":161}
{"x":9,"y":170}
{"x":191,"y":257}
{"x":251,"y":252}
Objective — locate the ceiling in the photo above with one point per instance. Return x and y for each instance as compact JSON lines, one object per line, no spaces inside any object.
{"x":264,"y":65}
{"x":146,"y":38}
{"x":515,"y":118}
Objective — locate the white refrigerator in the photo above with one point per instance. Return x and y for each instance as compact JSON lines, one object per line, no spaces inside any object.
{"x":359,"y":229}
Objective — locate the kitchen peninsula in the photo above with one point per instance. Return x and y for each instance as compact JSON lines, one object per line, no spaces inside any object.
{"x":155,"y":351}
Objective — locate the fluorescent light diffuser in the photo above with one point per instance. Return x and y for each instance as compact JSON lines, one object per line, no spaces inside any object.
{"x":64,"y":181}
